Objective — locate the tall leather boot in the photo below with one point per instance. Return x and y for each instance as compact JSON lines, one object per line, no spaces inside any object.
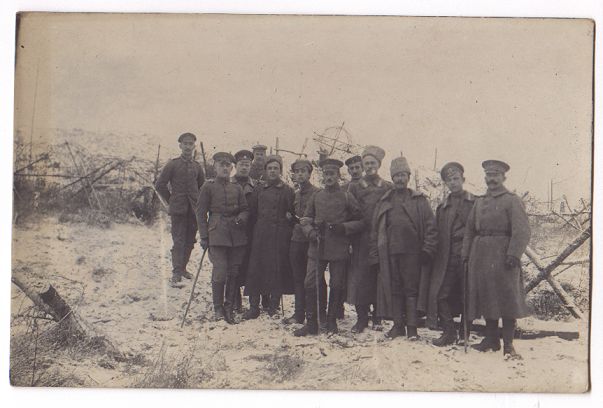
{"x":334,"y":296}
{"x":265,"y":302}
{"x":362,"y":322}
{"x":311,"y":326}
{"x":254,"y":308}
{"x":508,"y":332}
{"x":231,"y":287}
{"x":217,"y":291}
{"x":411,"y":319}
{"x":238,"y":306}
{"x":176,"y":265}
{"x":377,"y":325}
{"x":448,"y":337}
{"x":492,"y":340}
{"x":274,"y":306}
{"x":399,"y":328}
{"x":186,"y":256}
{"x":322,"y":304}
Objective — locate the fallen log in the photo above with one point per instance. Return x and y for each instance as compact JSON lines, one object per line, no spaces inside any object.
{"x":51,"y":303}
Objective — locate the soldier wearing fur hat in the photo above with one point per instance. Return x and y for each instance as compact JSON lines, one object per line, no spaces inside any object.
{"x":258,"y":163}
{"x":184,"y":176}
{"x":446,"y":281}
{"x":243,"y":160}
{"x":222,"y":216}
{"x":273,"y":212}
{"x":298,"y":249}
{"x":331,"y":217}
{"x":403,"y":243}
{"x":496,"y":237}
{"x":362,"y":279}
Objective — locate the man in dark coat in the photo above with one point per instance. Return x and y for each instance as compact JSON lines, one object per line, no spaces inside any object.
{"x":362,"y":279}
{"x":243,"y":159}
{"x":496,"y":237}
{"x":272,"y":209}
{"x":331,"y":217}
{"x":258,"y":163}
{"x":446,"y":282}
{"x":222,"y":216}
{"x":403,"y":243}
{"x":184,"y":176}
{"x":298,"y":250}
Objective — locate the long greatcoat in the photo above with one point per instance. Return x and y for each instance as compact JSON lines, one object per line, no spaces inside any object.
{"x":269,"y":270}
{"x":444,"y":221}
{"x":497,"y":226}
{"x":420,"y":213}
{"x":361,"y":288}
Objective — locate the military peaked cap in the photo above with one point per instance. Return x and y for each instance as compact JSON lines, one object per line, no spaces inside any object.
{"x":223,"y":156}
{"x":329,"y":162}
{"x":495,"y":166}
{"x":352,"y":160}
{"x":243,"y":155}
{"x":451,"y":168}
{"x":182,"y":136}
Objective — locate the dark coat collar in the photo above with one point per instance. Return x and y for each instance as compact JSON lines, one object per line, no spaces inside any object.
{"x":467,"y":196}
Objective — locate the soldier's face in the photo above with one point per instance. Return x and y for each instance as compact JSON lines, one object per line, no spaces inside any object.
{"x":454,"y":182}
{"x":495,"y":179}
{"x":223,"y":169}
{"x":371,"y":165}
{"x":259,"y":155}
{"x":273,"y":171}
{"x":187,"y":146}
{"x":330,"y":177}
{"x":355,"y":170}
{"x":301,"y":174}
{"x":243,"y":167}
{"x":401,"y":179}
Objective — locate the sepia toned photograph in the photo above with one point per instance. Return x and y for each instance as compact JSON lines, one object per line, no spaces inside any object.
{"x":299,"y":202}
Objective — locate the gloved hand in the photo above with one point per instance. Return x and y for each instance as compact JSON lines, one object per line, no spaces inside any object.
{"x":424,"y":257}
{"x":511,"y":262}
{"x":204,"y":243}
{"x":337,"y":229}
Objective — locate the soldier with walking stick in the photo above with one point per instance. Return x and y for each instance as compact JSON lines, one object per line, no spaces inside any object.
{"x":222,"y":217}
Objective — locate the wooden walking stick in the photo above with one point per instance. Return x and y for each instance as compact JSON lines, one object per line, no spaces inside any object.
{"x":465,"y":297}
{"x":316,"y":278}
{"x":190,"y":299}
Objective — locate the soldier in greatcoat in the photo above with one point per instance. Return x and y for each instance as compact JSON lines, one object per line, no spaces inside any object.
{"x":222,"y":215}
{"x":331,"y":217}
{"x":243,"y":160}
{"x":362,"y":278}
{"x":184,"y":176}
{"x":496,"y":237}
{"x":446,"y":282}
{"x":272,"y":209}
{"x":403,"y":243}
{"x":298,"y":249}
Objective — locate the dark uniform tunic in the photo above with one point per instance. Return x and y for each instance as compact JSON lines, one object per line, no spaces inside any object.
{"x":361,"y":289}
{"x":298,"y":250}
{"x":222,"y":215}
{"x":247,"y":184}
{"x":185,"y":177}
{"x":331,"y":206}
{"x":497,"y":226}
{"x":269,"y":270}
{"x":447,"y":272}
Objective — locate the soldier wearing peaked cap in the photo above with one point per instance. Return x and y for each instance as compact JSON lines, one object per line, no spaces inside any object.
{"x":496,"y":237}
{"x":331,"y":217}
{"x":362,"y":278}
{"x":222,"y":215}
{"x":446,"y":281}
{"x":185,"y":176}
{"x":403,"y":243}
{"x":273,"y":213}
{"x":355,"y":170}
{"x":258,"y":162}
{"x":243,"y":160}
{"x":298,"y":249}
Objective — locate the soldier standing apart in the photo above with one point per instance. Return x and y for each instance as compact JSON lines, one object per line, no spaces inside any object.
{"x":298,"y":250}
{"x":222,"y":216}
{"x":446,"y":282}
{"x":331,"y":217}
{"x":185,"y":177}
{"x":269,"y":272}
{"x":258,"y":163}
{"x":497,"y":235}
{"x":243,"y":159}
{"x":362,"y":278}
{"x":403,"y":243}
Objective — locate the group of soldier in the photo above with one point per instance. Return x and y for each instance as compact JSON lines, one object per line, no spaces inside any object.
{"x":387,"y":254}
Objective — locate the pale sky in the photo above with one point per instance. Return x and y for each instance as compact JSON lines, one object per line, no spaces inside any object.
{"x":519,"y":90}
